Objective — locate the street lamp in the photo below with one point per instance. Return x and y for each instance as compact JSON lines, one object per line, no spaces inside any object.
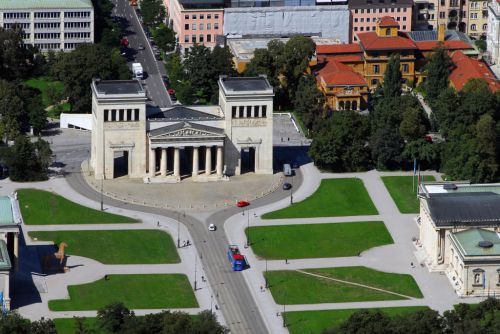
{"x":265,"y":277}
{"x":284,"y":310}
{"x":195,"y":263}
{"x":291,"y":191}
{"x":179,"y":228}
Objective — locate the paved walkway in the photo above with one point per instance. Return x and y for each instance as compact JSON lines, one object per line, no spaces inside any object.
{"x":85,"y":270}
{"x":436,"y":289}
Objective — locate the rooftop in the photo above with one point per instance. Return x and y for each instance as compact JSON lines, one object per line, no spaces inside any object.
{"x":245,"y":84}
{"x":468,"y":242}
{"x":467,"y":68}
{"x":469,"y":209}
{"x":6,"y":215}
{"x":338,"y":48}
{"x":335,"y":73}
{"x":182,"y":113}
{"x":118,"y":87}
{"x":388,"y":21}
{"x":355,"y":4}
{"x":44,"y":4}
{"x":370,"y":41}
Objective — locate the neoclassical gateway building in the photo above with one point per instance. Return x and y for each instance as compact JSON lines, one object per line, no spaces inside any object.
{"x":207,"y":143}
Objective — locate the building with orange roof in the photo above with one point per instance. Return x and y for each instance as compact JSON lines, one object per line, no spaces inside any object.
{"x":466,"y":68}
{"x":342,"y":86}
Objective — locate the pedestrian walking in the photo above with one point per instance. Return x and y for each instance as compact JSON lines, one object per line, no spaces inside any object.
{"x":286,"y":261}
{"x":158,"y":224}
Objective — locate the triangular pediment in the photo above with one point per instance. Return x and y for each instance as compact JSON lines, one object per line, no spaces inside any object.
{"x":186,"y":130}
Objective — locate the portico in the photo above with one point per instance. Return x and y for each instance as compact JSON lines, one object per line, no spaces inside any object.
{"x":175,"y":152}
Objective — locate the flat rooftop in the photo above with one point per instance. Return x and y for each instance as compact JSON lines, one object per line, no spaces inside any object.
{"x":469,"y":242}
{"x":118,"y":87}
{"x":242,"y":84}
{"x":6,"y":215}
{"x":45,"y":4}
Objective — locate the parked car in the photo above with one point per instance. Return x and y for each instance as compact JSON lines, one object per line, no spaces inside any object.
{"x":171,"y":91}
{"x":165,"y":80}
{"x":140,"y":47}
{"x":173,"y":98}
{"x":212,"y":227}
{"x":287,"y":186}
{"x":241,"y":204}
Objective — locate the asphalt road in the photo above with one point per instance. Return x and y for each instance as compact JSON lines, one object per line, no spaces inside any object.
{"x":132,"y":28}
{"x":232,"y":293}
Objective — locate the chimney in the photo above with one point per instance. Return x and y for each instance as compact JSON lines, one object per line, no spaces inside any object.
{"x":441,"y":32}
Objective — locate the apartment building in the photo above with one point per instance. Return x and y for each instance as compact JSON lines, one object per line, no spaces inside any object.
{"x":195,"y":22}
{"x":493,"y":32}
{"x":366,"y":13}
{"x":477,"y":23}
{"x":50,"y":24}
{"x":454,"y":14}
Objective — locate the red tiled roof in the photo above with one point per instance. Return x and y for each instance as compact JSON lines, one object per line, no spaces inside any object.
{"x":451,"y":45}
{"x":388,"y":21}
{"x":371,"y":41}
{"x":338,"y":48}
{"x":341,"y":58}
{"x":467,"y":68}
{"x":337,"y":74}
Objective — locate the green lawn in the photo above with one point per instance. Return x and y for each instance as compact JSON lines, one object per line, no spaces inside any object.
{"x":315,"y":322}
{"x":301,"y":288}
{"x":40,"y":207}
{"x":317,"y":240}
{"x":151,"y":291}
{"x":67,"y":325}
{"x":403,"y":192}
{"x":335,"y":197}
{"x":116,"y":246}
{"x":41,"y":84}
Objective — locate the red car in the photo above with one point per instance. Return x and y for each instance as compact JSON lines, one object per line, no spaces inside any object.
{"x":241,"y":204}
{"x":171,"y":91}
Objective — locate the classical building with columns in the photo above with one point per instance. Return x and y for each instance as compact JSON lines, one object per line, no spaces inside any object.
{"x":206,"y":143}
{"x":460,"y":235}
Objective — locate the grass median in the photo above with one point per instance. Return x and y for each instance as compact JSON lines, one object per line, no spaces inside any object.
{"x":40,"y":207}
{"x":294,"y":287}
{"x":317,"y":240}
{"x":315,"y":322}
{"x":116,"y":246}
{"x":403,"y":191}
{"x":148,"y":291}
{"x":334,"y":198}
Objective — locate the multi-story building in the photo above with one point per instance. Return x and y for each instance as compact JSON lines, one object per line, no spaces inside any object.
{"x":493,"y":32}
{"x":366,"y":13}
{"x":50,"y":24}
{"x":477,"y":22}
{"x":454,"y":14}
{"x":196,"y":21}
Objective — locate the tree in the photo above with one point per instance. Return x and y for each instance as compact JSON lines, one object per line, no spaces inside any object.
{"x":76,"y":70}
{"x":113,"y":317}
{"x":392,"y":78}
{"x":14,"y":323}
{"x":438,"y":68}
{"x":165,"y":38}
{"x":341,"y":144}
{"x":361,"y":322}
{"x":12,"y":110}
{"x":152,"y":11}
{"x":480,"y":44}
{"x":413,"y":124}
{"x":387,"y":148}
{"x":297,"y":54}
{"x":309,"y":101}
{"x":445,"y":111}
{"x":37,"y":114}
{"x":43,"y":326}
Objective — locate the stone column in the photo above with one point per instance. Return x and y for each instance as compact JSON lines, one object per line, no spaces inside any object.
{"x":208,"y":160}
{"x":152,"y":162}
{"x":219,"y":161}
{"x":176,"y":162}
{"x":196,"y":163}
{"x":163,"y":162}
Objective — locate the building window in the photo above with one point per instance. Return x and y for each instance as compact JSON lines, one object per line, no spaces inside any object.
{"x":498,"y":274}
{"x":186,"y":17}
{"x":193,"y":26}
{"x":216,"y":16}
{"x":374,"y":82}
{"x":376,"y":69}
{"x":209,"y":16}
{"x":392,"y":10}
{"x":361,"y":20}
{"x":113,"y":115}
{"x":249,"y":111}
{"x":398,"y":10}
{"x":399,"y":18}
{"x":404,"y":18}
{"x":264,"y":111}
{"x":355,"y":28}
{"x":233,"y":111}
{"x":356,"y":20}
{"x":441,"y":15}
{"x":373,"y":28}
{"x":193,"y":39}
{"x":209,"y":26}
{"x":367,"y":19}
{"x":200,"y":38}
{"x":186,"y":38}
{"x":362,"y":11}
{"x":216,"y":26}
{"x":202,"y":26}
{"x":405,"y":68}
{"x":121,"y":114}
{"x":473,"y":27}
{"x":193,"y":17}
{"x":129,"y":114}
{"x":106,"y":115}
{"x":362,"y":28}
{"x":356,"y":11}
{"x":209,"y":38}
{"x":241,"y":112}
{"x":186,"y":27}
{"x":388,"y":32}
{"x":202,"y":16}
{"x":256,"y":111}
{"x":485,"y":26}
{"x":404,"y":27}
{"x":478,"y":277}
{"x":136,"y":114}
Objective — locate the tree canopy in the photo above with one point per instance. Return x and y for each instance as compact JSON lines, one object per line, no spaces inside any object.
{"x":153,"y":12}
{"x":438,"y":68}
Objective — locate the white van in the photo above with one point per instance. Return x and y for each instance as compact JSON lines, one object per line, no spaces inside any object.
{"x":287,"y":170}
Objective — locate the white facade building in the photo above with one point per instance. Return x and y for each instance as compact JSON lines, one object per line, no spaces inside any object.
{"x":50,"y":24}
{"x":460,"y":235}
{"x":493,"y":34}
{"x":206,"y":143}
